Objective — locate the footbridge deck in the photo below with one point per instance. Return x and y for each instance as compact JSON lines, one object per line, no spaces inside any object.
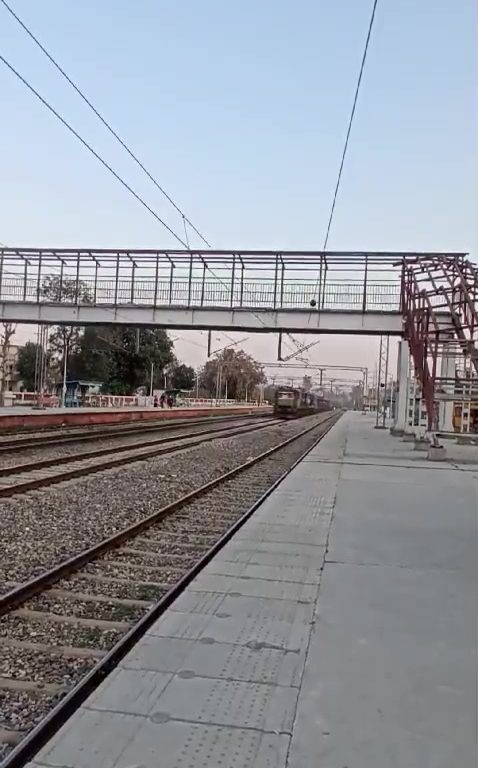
{"x":263,"y":291}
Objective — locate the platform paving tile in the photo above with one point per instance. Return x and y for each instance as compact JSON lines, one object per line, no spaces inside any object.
{"x":254,"y":663}
{"x":113,"y":740}
{"x":132,"y":691}
{"x":227,"y":702}
{"x":294,"y":505}
{"x":197,"y":602}
{"x":210,"y":603}
{"x":185,"y":745}
{"x":288,"y":636}
{"x":283,"y":572}
{"x":163,"y":697}
{"x":241,"y":630}
{"x":187,"y":625}
{"x":287,"y":560}
{"x":160,"y":654}
{"x":306,"y":553}
{"x":91,"y":739}
{"x":307,"y":516}
{"x":300,"y":520}
{"x":269,"y":572}
{"x":307,"y":474}
{"x":288,"y":533}
{"x":224,"y":567}
{"x":266,"y":609}
{"x":285,"y":590}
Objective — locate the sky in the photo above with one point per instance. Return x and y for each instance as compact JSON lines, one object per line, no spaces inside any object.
{"x":240,"y":110}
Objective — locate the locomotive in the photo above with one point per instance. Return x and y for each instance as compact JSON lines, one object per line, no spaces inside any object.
{"x":290,"y":403}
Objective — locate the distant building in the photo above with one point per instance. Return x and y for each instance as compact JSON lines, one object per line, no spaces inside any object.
{"x":307,"y":383}
{"x":77,"y":390}
{"x":8,"y":370}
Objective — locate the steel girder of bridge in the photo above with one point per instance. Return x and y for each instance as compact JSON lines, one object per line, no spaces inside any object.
{"x":440,"y":310}
{"x":261,"y":291}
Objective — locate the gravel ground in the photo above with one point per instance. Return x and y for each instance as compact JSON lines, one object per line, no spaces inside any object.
{"x":147,"y":572}
{"x":21,"y":664}
{"x":18,"y":708}
{"x":66,"y":606}
{"x":60,"y":633}
{"x":12,"y":458}
{"x":40,"y":528}
{"x":129,"y":590}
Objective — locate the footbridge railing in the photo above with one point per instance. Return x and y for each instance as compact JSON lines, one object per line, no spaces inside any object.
{"x":259,"y":280}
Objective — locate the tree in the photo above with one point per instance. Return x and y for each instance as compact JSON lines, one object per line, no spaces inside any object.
{"x":65,"y":289}
{"x":7,"y":330}
{"x":135,"y":352}
{"x":182,"y":376}
{"x":236,"y":368}
{"x":64,"y":340}
{"x":121,"y":357}
{"x":93,"y":359}
{"x":26,"y":364}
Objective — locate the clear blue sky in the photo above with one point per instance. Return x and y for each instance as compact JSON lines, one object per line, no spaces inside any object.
{"x":240,"y":110}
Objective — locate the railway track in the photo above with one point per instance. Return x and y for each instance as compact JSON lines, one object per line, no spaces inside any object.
{"x":21,"y":478}
{"x":64,"y":630}
{"x":94,"y":433}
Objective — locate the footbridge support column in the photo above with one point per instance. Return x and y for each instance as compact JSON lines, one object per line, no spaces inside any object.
{"x":403,"y":368}
{"x":445,"y":409}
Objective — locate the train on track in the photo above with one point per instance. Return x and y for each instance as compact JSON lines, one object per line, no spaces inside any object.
{"x":290,"y":403}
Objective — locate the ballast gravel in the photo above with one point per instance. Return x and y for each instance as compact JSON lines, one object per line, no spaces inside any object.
{"x":43,"y":527}
{"x":76,"y":447}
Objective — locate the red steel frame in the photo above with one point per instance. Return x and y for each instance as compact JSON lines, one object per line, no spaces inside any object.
{"x":439,"y":304}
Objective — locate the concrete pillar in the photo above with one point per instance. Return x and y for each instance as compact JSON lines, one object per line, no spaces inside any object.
{"x":445,"y":410}
{"x":403,"y":366}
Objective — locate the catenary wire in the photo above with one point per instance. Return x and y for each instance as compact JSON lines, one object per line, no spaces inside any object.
{"x":351,"y":119}
{"x":346,"y":144}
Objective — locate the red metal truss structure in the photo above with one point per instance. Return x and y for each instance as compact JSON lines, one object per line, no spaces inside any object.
{"x":439,"y":301}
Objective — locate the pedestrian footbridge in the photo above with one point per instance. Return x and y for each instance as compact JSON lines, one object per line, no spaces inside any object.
{"x":262,"y":291}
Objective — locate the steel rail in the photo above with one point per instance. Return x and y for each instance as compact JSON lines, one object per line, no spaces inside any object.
{"x":38,"y":441}
{"x":29,"y":746}
{"x":15,"y":469}
{"x":137,"y":453}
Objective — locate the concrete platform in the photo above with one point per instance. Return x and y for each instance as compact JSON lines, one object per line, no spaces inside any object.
{"x":338,"y":629}
{"x":14,"y":418}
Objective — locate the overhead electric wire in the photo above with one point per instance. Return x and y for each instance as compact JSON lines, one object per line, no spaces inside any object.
{"x":352,"y":114}
{"x":105,"y":123}
{"x":90,"y":149}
